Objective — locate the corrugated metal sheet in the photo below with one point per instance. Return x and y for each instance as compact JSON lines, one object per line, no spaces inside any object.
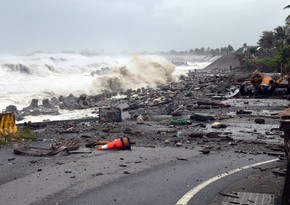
{"x":7,"y":124}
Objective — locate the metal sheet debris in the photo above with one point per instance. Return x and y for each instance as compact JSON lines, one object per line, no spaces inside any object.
{"x":7,"y":124}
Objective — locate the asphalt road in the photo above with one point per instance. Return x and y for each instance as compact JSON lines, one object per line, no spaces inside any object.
{"x":167,"y":183}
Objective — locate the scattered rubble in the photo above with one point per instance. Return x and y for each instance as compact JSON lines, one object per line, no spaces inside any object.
{"x":180,"y":114}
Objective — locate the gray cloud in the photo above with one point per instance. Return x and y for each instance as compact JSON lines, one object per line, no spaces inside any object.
{"x":134,"y":25}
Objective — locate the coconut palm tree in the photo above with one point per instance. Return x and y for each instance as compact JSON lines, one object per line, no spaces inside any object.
{"x":287,"y":30}
{"x":280,"y":32}
{"x":267,"y":40}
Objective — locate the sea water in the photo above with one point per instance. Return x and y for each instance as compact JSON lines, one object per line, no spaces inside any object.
{"x":47,"y":75}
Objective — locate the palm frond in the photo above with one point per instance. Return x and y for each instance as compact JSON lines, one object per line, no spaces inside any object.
{"x":288,"y":19}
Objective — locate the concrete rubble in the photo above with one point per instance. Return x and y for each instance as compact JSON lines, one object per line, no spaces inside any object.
{"x":202,"y":108}
{"x":203,"y":111}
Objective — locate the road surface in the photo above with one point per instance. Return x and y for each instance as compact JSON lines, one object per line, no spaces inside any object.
{"x":166,"y":183}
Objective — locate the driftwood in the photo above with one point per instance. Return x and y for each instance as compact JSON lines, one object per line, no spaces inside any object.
{"x":95,"y":143}
{"x":214,"y":104}
{"x":53,"y":150}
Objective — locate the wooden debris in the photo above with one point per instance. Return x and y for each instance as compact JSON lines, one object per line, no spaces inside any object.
{"x":214,"y":104}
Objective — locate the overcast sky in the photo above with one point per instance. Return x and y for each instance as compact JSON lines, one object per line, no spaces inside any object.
{"x":134,"y":25}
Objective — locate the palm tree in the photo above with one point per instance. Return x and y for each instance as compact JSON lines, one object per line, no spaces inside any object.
{"x":287,"y":30}
{"x":280,"y":32}
{"x":267,"y":40}
{"x":288,"y":17}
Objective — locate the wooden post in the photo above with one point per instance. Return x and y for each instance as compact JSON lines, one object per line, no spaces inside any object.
{"x":285,"y":126}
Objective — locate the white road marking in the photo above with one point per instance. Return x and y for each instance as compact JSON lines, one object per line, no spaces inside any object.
{"x":189,"y":195}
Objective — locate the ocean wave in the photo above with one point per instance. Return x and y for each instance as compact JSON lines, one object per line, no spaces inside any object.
{"x":46,"y":75}
{"x":141,"y":71}
{"x":18,"y":68}
{"x":43,"y":64}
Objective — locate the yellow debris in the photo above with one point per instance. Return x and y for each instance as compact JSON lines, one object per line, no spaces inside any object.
{"x":7,"y":124}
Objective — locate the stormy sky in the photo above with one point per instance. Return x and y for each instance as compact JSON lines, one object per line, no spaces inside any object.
{"x":134,"y":25}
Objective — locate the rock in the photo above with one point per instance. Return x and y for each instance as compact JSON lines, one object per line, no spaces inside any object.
{"x":244,"y":112}
{"x":54,"y":101}
{"x":205,"y":107}
{"x":123,"y":106}
{"x":18,"y":114}
{"x":142,"y":118}
{"x":205,"y":151}
{"x":110,"y":114}
{"x":46,"y":104}
{"x":218,"y":125}
{"x":213,"y":135}
{"x":196,"y":135}
{"x":61,"y":98}
{"x":232,"y":143}
{"x":69,"y":102}
{"x":126,"y":115}
{"x":260,"y":121}
{"x":202,"y":117}
{"x":178,"y":144}
{"x":34,"y":103}
{"x":12,"y":108}
{"x":49,"y":111}
{"x":135,"y":105}
{"x":83,"y":102}
{"x":35,"y":112}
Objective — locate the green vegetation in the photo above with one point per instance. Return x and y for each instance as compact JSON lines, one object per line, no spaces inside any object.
{"x":3,"y":141}
{"x":21,"y":135}
{"x":24,"y":134}
{"x":265,"y":63}
{"x":203,"y":51}
{"x":272,"y":51}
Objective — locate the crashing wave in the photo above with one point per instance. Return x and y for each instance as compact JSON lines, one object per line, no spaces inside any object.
{"x":18,"y":68}
{"x":141,"y":71}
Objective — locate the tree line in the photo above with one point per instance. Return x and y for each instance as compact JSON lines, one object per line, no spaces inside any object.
{"x":272,"y":50}
{"x":206,"y":51}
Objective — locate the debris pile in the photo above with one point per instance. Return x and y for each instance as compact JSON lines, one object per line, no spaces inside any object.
{"x":203,"y":108}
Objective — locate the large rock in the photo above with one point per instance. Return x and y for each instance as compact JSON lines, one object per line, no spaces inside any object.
{"x":34,"y":103}
{"x":202,"y":117}
{"x":47,"y":104}
{"x":13,"y":108}
{"x":69,"y":102}
{"x":83,"y":102}
{"x":110,"y":115}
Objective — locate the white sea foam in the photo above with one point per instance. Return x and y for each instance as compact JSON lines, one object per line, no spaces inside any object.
{"x":140,"y":71}
{"x":44,"y":75}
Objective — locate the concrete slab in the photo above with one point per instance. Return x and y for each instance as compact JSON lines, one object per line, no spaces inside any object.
{"x":248,"y":198}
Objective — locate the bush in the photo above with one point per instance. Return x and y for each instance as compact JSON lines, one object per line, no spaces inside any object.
{"x":22,"y":134}
{"x":272,"y":64}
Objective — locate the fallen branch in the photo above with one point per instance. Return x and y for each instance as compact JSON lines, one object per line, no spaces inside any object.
{"x":215,"y":104}
{"x":53,"y":150}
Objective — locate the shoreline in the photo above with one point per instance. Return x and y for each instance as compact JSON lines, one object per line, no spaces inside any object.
{"x":151,"y":124}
